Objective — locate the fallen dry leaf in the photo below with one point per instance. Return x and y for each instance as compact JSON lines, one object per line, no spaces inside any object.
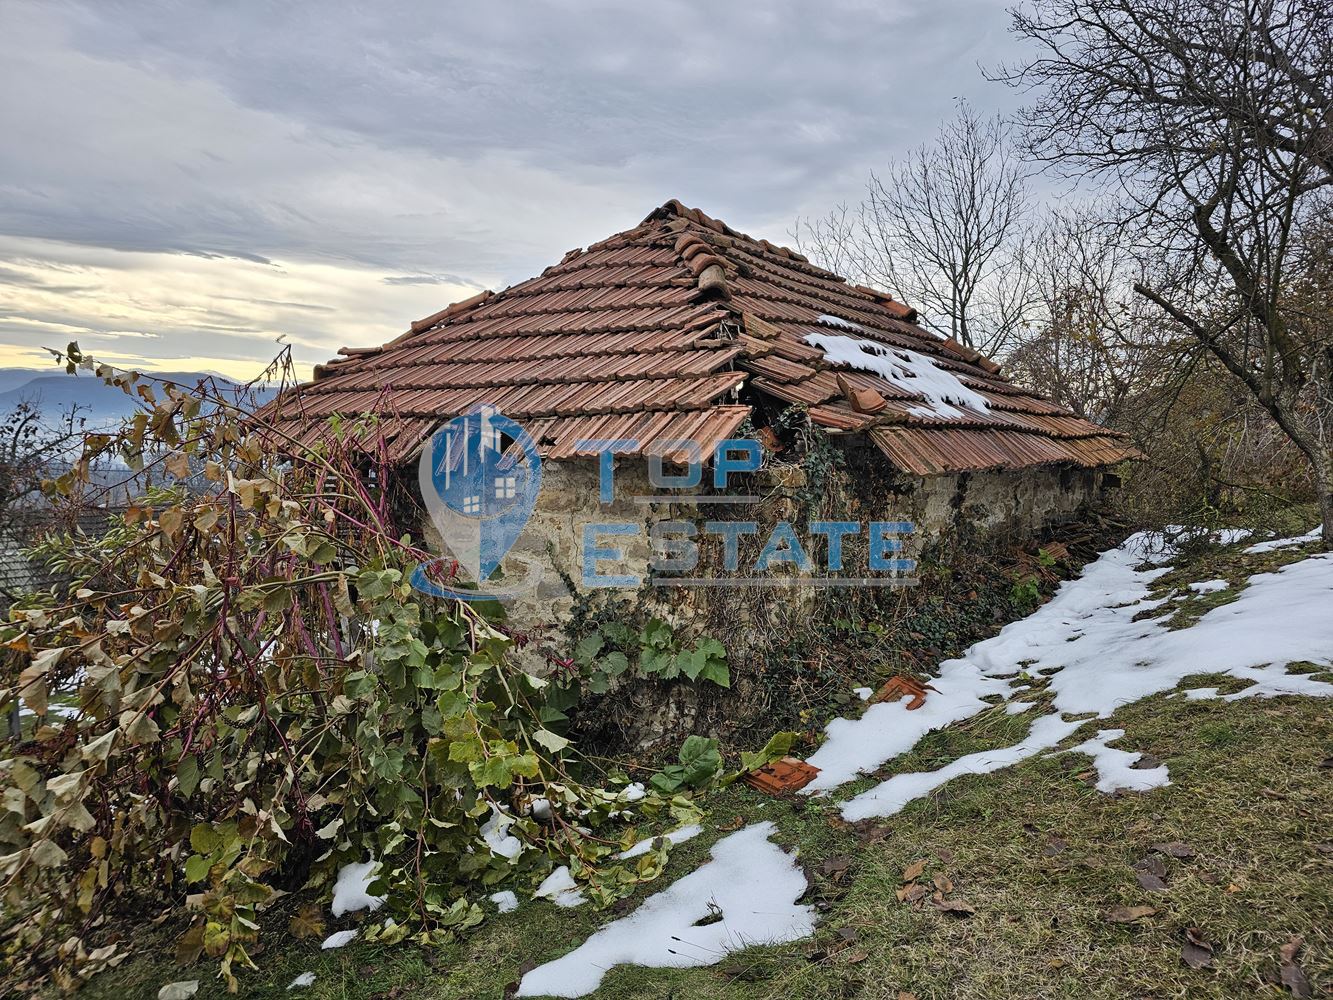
{"x":911,"y":893}
{"x":835,"y":866}
{"x":1175,"y":849}
{"x":1055,"y":845}
{"x":914,"y":870}
{"x":943,"y":883}
{"x":1128,"y":914}
{"x":955,"y":907}
{"x":904,"y":995}
{"x":944,"y":854}
{"x":1151,"y":882}
{"x":1293,"y":976}
{"x":1197,"y":951}
{"x":1146,"y":762}
{"x":853,"y":957}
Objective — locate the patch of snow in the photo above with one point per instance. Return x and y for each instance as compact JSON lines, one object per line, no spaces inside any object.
{"x":1018,"y":707}
{"x":1113,"y":765}
{"x":182,"y":990}
{"x":750,"y":883}
{"x":889,"y":797}
{"x":1098,"y":658}
{"x":495,"y":831}
{"x":673,"y":837}
{"x":351,"y":892}
{"x":1199,"y":694}
{"x":634,"y":791}
{"x":840,"y":323}
{"x":907,"y":370}
{"x":505,"y":902}
{"x":1313,"y":535}
{"x":858,"y":746}
{"x":561,"y":889}
{"x":863,"y":693}
{"x":1230,"y":536}
{"x":1209,"y":586}
{"x":540,"y":809}
{"x":338,"y":939}
{"x":304,"y":979}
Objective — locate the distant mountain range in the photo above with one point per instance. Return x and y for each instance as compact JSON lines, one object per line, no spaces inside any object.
{"x":54,"y":393}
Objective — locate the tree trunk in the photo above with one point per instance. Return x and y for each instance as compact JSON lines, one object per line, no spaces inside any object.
{"x":1323,"y":484}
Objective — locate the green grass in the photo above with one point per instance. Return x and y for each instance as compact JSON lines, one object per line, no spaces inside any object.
{"x":1247,"y":794}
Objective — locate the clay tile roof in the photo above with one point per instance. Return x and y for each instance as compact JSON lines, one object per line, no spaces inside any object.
{"x":667,"y":331}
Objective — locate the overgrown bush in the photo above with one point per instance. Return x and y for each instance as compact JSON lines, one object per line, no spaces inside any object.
{"x":261,"y":697}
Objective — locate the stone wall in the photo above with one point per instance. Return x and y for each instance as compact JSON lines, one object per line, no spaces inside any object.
{"x":1004,"y":506}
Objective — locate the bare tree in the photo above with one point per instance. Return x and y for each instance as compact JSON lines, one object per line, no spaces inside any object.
{"x":943,"y":230}
{"x":1091,"y":345}
{"x":1214,"y":118}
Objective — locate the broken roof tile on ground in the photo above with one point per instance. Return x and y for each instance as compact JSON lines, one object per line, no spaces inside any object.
{"x":671,"y":331}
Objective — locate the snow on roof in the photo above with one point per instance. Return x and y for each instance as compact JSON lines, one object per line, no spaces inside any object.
{"x":943,"y":391}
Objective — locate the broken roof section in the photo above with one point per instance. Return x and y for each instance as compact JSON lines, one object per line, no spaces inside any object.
{"x":665,"y":332}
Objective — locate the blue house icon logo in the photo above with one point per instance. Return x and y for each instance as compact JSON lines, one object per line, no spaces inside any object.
{"x":480,"y":475}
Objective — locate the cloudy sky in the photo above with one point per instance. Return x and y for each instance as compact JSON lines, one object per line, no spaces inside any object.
{"x":182,"y":183}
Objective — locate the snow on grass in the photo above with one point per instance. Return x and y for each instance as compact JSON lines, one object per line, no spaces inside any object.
{"x":1115,"y":770}
{"x":1313,"y":535}
{"x":889,"y":797}
{"x":633,"y":791}
{"x":561,"y":889}
{"x":673,"y":837}
{"x":304,"y":979}
{"x":751,"y":886}
{"x":907,"y":370}
{"x":1209,"y":586}
{"x":338,"y":939}
{"x":505,"y":901}
{"x":863,"y":693}
{"x":1199,"y":694}
{"x":1018,"y":707}
{"x":351,"y":892}
{"x":1096,"y":657}
{"x":857,"y":746}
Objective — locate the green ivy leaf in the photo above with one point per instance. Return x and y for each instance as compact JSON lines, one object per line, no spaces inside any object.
{"x":550,"y":740}
{"x":196,"y":868}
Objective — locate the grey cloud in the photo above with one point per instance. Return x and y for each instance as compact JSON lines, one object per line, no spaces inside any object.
{"x":752,"y":112}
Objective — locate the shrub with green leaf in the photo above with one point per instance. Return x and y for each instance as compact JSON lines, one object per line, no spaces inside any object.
{"x":261,"y":697}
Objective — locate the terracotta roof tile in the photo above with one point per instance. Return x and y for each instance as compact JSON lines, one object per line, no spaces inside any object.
{"x":649,"y":334}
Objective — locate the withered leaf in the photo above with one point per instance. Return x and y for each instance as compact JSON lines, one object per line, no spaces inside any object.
{"x":835,"y":865}
{"x":1293,"y":976}
{"x":943,"y":883}
{"x":1146,"y":762}
{"x":1055,"y":845}
{"x":955,"y":908}
{"x":853,"y":957}
{"x":911,"y":893}
{"x":308,"y":922}
{"x":914,"y":870}
{"x":1175,"y":849}
{"x":1151,"y":882}
{"x":1197,"y":951}
{"x":1151,"y":865}
{"x":944,"y":854}
{"x":190,"y":945}
{"x":1128,"y":914}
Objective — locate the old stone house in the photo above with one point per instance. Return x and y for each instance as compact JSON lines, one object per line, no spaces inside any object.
{"x":683,"y":328}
